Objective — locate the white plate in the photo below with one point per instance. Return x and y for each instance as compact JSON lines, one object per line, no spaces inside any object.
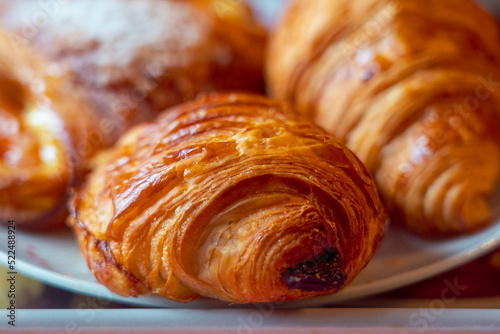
{"x":55,"y":259}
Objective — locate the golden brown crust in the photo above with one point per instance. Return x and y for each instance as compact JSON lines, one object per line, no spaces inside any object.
{"x":43,"y":139}
{"x":229,"y":197}
{"x":412,"y":88}
{"x":121,"y":62}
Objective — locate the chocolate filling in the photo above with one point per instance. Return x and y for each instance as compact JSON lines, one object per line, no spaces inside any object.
{"x":323,"y":273}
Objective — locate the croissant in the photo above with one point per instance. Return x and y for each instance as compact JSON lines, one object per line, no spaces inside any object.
{"x":127,"y":60}
{"x":412,"y":89}
{"x":230,"y":197}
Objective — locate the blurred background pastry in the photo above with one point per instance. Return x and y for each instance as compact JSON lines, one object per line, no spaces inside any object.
{"x":413,"y":88}
{"x":127,"y":60}
{"x":44,"y":138}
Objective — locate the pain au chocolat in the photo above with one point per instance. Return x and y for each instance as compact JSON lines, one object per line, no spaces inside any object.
{"x":232,"y":197}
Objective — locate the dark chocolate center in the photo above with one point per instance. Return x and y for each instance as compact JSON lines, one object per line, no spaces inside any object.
{"x":323,"y":273}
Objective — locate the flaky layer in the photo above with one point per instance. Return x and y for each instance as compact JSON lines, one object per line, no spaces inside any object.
{"x":230,"y":197}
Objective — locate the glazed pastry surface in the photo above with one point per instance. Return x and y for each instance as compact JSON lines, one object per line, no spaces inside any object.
{"x":231,"y":197}
{"x":413,"y":89}
{"x":44,"y":138}
{"x":123,"y":62}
